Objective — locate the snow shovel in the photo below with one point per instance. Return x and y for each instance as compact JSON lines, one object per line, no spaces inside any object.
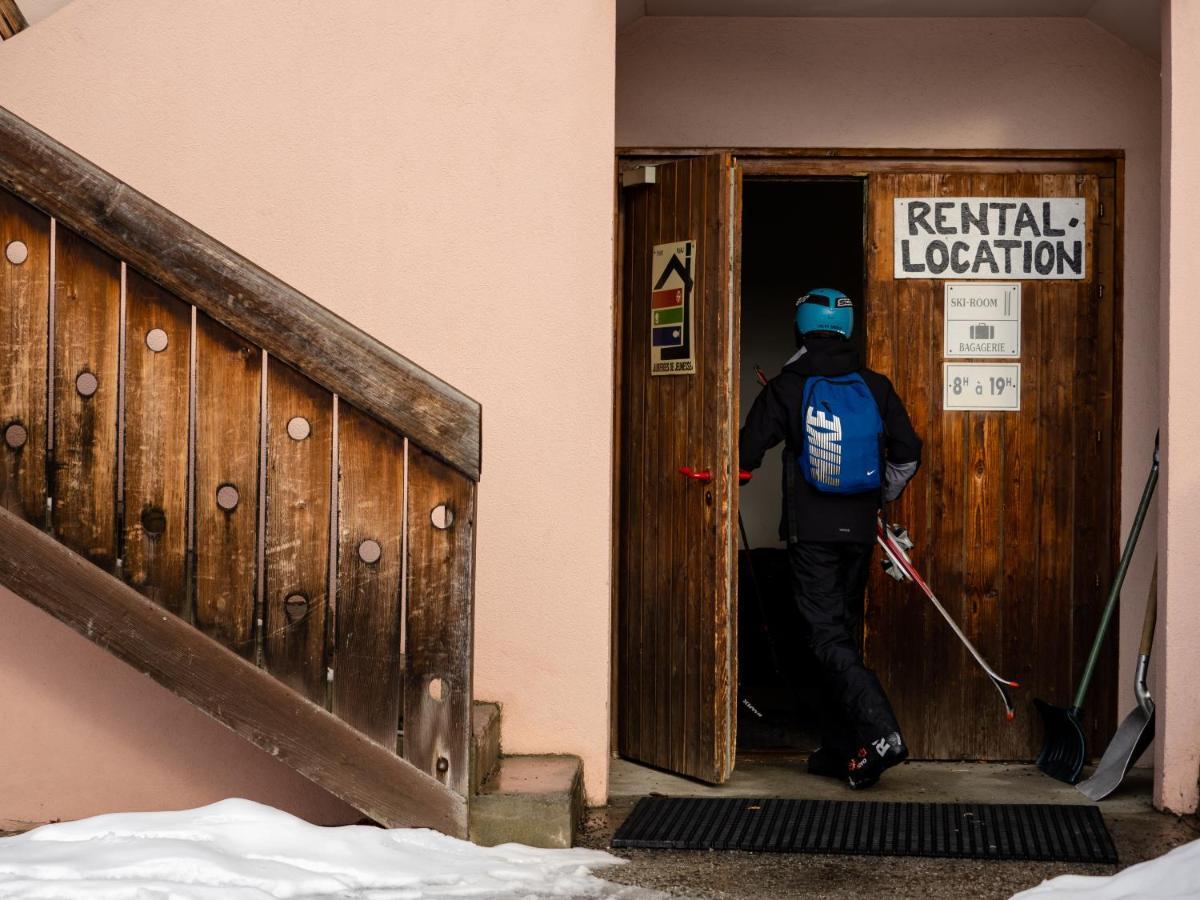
{"x":1065,"y":749}
{"x":895,"y":552}
{"x":1137,"y":731}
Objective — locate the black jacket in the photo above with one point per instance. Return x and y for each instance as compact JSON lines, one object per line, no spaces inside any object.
{"x":777,"y":415}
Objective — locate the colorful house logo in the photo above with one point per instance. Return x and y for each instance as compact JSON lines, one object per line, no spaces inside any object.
{"x":671,"y":288}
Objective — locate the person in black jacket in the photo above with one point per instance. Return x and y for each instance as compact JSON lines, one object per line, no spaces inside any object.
{"x":831,"y":536}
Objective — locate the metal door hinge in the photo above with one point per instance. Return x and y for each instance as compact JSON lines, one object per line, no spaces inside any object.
{"x":1102,"y":209}
{"x":1100,"y":291}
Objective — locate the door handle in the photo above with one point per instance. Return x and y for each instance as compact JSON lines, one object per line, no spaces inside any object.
{"x":702,"y":475}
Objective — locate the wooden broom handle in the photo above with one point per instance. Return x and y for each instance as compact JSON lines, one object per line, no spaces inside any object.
{"x":1151,"y":619}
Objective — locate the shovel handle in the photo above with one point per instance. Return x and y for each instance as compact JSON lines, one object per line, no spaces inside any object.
{"x":1114,"y":594}
{"x":1151,"y":619}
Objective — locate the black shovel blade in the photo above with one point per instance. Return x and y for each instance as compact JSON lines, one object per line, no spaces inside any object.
{"x":1065,"y":749}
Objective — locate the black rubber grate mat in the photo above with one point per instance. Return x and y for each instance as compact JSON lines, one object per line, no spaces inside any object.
{"x":955,"y":830}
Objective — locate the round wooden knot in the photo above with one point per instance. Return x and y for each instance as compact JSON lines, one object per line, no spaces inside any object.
{"x":295,"y":607}
{"x":156,"y":340}
{"x":228,"y":497}
{"x":442,"y":516}
{"x":369,"y":551}
{"x":154,"y":520}
{"x":298,"y":428}
{"x":15,"y":436}
{"x":436,"y":688}
{"x":16,"y":252}
{"x":86,"y":384}
{"x":443,"y":765}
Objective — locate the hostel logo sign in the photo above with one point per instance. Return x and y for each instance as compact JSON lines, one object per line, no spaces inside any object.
{"x":672,"y":279}
{"x":1037,"y":238}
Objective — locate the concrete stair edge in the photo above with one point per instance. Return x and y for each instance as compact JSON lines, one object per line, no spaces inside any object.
{"x":536,"y":800}
{"x":485,"y":743}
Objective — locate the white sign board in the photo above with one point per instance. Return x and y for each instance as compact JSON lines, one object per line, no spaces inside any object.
{"x":983,"y":318}
{"x":990,"y":237}
{"x":985,"y":386}
{"x":672,"y":279}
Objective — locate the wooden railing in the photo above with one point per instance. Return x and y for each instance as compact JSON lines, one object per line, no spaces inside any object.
{"x":283,"y":485}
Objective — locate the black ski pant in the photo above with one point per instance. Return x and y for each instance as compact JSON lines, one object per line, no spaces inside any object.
{"x":829,"y":582}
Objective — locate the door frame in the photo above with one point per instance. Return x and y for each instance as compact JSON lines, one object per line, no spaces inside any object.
{"x":764,"y":163}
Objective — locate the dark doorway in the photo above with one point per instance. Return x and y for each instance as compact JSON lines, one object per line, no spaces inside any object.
{"x":796,"y":235}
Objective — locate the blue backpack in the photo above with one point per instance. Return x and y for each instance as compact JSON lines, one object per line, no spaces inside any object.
{"x":843,"y":435}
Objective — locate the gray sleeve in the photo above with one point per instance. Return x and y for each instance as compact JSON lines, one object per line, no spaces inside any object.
{"x":895,"y":477}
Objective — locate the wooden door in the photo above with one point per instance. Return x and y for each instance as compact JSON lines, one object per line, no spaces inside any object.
{"x":676,"y":608}
{"x":1012,"y":512}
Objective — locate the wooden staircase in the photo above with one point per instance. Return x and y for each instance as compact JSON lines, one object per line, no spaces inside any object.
{"x":235,"y":491}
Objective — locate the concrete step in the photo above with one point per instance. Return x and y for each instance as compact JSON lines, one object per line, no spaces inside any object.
{"x":534,"y":800}
{"x":485,"y":743}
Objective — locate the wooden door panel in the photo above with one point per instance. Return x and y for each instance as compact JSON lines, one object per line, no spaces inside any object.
{"x":676,"y":670}
{"x":1011,"y":511}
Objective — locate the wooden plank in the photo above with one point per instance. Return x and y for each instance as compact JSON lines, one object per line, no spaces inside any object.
{"x":228,"y":424}
{"x":12,"y":20}
{"x":929,"y":156}
{"x":661,"y":543}
{"x":1025,"y":652}
{"x":651,"y":473}
{"x":86,"y":336}
{"x":849,"y":167}
{"x":229,"y":689}
{"x":366,"y":656}
{"x":722,"y":312}
{"x":439,"y":643}
{"x":240,"y":295}
{"x":24,"y":330}
{"x":1090,"y":571}
{"x":157,"y":384}
{"x":982,"y":735}
{"x":299,"y":487}
{"x":636,"y":361}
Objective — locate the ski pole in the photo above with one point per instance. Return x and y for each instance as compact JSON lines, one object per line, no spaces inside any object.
{"x":900,"y":559}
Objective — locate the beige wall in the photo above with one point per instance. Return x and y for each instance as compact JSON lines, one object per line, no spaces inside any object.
{"x":1178,"y":744}
{"x":437,"y":173}
{"x":955,"y":83}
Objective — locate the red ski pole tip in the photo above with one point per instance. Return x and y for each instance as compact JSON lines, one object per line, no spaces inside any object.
{"x":1010,"y":715}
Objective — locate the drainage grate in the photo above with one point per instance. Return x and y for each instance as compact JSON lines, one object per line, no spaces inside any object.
{"x":954,"y":830}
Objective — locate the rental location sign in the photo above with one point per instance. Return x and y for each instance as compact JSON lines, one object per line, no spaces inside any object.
{"x":990,"y":237}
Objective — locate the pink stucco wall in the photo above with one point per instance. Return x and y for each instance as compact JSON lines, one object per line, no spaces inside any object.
{"x":437,"y":173}
{"x":941,"y":83}
{"x":1178,"y":745}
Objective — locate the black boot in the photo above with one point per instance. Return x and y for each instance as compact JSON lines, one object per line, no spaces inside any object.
{"x":829,"y":761}
{"x":875,"y":758}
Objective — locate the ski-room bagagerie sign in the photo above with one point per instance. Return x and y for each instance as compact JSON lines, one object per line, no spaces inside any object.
{"x":672,"y":280}
{"x":990,"y":237}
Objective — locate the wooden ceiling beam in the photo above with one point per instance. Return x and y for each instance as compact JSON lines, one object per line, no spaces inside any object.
{"x":12,"y":19}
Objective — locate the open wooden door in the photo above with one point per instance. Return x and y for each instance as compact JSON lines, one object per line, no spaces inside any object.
{"x":678,"y":324}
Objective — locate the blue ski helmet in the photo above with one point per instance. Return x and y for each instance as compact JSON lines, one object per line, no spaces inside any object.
{"x":825,"y":309}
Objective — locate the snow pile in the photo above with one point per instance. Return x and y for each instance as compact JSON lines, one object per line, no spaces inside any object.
{"x":238,"y":850}
{"x":1177,"y":874}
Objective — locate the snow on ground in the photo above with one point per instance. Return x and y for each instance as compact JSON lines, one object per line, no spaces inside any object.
{"x":1175,"y":874}
{"x":239,"y":850}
